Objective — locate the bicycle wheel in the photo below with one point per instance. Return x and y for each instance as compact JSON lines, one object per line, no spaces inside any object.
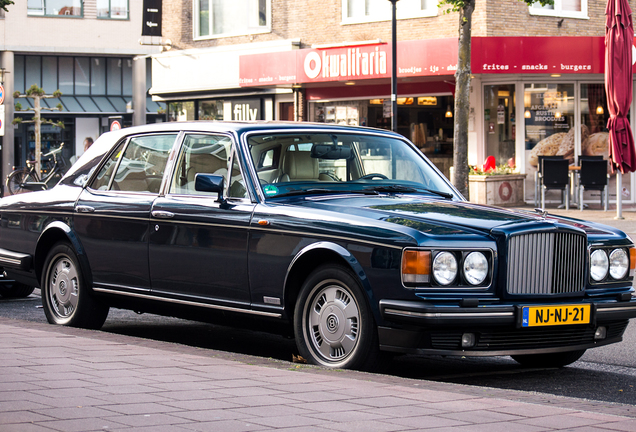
{"x":16,"y":179}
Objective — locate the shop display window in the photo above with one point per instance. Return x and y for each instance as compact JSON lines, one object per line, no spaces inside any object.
{"x":211,"y":110}
{"x":181,"y":111}
{"x":54,"y":8}
{"x":221,"y":18}
{"x":595,"y":136}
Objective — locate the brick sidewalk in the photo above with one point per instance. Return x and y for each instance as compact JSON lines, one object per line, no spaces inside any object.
{"x":64,"y":379}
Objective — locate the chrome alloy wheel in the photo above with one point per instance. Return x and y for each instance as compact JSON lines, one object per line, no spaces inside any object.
{"x":332,"y":320}
{"x":63,"y":284}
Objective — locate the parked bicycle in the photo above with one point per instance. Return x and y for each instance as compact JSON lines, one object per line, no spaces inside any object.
{"x":28,"y":179}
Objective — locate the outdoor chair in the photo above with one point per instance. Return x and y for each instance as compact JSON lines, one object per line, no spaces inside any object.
{"x":555,"y":175}
{"x":593,"y":176}
{"x":537,"y":177}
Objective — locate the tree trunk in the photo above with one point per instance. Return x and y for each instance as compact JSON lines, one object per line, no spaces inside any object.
{"x":462,"y":99}
{"x":38,"y":133}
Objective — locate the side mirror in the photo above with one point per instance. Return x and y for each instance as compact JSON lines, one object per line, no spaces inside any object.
{"x":209,"y":183}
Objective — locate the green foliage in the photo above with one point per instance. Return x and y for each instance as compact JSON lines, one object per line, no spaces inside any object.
{"x":34,"y":90}
{"x":499,"y":170}
{"x":18,"y":106}
{"x":5,"y":3}
{"x":17,"y":120}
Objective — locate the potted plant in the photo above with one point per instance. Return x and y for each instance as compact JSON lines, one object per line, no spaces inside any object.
{"x":500,"y":185}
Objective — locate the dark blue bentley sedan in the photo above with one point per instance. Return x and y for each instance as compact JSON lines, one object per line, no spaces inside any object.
{"x":347,"y":238}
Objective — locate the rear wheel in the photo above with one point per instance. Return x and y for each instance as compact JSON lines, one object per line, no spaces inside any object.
{"x":65,"y":296}
{"x":333,"y":324}
{"x":18,"y":178}
{"x":549,"y":360}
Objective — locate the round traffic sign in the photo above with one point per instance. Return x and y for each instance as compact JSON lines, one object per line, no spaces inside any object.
{"x":115,"y":126}
{"x":1,"y":94}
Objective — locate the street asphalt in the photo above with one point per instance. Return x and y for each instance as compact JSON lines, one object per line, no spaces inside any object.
{"x":66,"y":379}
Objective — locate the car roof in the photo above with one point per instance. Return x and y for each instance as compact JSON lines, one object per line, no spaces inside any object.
{"x":240,"y":127}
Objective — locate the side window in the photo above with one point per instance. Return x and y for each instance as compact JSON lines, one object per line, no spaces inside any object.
{"x":140,"y":167}
{"x":200,"y":154}
{"x":102,"y":181}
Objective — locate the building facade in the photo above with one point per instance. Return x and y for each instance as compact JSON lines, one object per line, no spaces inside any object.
{"x":537,"y":72}
{"x":89,"y":50}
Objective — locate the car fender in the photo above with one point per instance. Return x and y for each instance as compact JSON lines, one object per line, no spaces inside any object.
{"x":347,"y":258}
{"x":54,"y":232}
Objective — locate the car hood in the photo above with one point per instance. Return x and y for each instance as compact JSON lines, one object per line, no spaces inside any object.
{"x":425,"y":213}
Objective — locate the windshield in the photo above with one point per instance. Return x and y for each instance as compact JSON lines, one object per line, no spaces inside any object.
{"x":322,"y":162}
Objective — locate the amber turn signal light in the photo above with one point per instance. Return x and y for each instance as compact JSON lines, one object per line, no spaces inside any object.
{"x":416,"y":267}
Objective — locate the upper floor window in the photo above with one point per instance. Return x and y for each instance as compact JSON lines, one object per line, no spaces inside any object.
{"x":117,"y":9}
{"x":561,"y":8}
{"x":220,"y":18}
{"x":54,"y":7}
{"x":357,"y":11}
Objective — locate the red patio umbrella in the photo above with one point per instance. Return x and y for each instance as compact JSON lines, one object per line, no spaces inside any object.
{"x":619,"y":37}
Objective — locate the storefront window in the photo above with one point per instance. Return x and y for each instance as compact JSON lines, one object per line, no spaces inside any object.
{"x":549,"y":125}
{"x":595,"y":137}
{"x":181,"y":111}
{"x":500,"y":123}
{"x":211,"y":110}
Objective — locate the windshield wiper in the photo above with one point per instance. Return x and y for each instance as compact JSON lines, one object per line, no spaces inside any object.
{"x":318,"y":191}
{"x":408,"y":189}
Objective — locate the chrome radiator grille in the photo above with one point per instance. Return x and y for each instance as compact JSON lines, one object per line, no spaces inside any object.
{"x":546,"y":263}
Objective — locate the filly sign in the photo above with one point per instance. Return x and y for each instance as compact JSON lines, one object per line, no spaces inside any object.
{"x":356,"y":62}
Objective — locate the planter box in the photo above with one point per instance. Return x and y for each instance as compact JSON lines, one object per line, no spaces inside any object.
{"x":497,"y":190}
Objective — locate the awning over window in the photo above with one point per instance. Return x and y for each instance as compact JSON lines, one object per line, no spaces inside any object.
{"x":90,"y":104}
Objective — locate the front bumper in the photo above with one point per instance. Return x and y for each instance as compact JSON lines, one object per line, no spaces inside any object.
{"x":424,"y":328}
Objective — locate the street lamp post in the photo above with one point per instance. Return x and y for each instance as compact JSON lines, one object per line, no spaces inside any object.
{"x":393,"y":66}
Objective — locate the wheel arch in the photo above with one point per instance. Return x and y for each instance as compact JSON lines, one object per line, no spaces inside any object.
{"x":315,"y":255}
{"x":56,"y":232}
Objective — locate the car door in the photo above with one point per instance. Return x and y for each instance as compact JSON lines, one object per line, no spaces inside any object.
{"x":112,"y":213}
{"x":198,"y":244}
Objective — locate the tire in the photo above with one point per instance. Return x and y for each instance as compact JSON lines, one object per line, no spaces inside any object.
{"x":552,"y":360}
{"x":333,"y":323}
{"x":65,"y":295}
{"x":15,"y":179}
{"x":16,"y":290}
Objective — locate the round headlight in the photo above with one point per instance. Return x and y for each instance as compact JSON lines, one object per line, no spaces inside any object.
{"x":475,"y":268}
{"x":619,"y":263}
{"x":445,"y":268}
{"x":599,"y":265}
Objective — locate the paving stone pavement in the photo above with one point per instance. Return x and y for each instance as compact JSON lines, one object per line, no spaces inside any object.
{"x":64,"y":379}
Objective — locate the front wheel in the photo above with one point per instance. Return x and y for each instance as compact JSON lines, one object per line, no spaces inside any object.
{"x":16,"y":179}
{"x":65,"y":296}
{"x":556,"y":360}
{"x":333,"y":324}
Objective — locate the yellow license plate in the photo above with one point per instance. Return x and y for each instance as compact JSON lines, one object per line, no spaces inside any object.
{"x":534,"y":316}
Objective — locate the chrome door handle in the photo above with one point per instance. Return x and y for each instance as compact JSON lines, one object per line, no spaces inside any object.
{"x":84,"y":209}
{"x":162,"y":214}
